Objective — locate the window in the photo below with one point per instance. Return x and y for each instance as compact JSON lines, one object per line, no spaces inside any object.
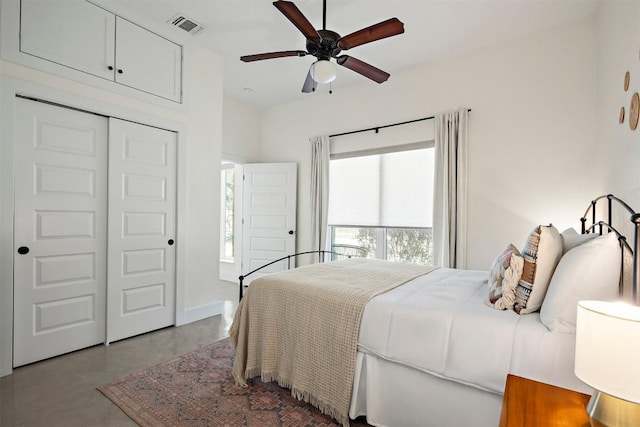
{"x":381,"y":204}
{"x":227,"y":212}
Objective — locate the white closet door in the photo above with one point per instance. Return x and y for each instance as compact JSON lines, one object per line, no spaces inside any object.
{"x":60,"y":217}
{"x":142,"y":206}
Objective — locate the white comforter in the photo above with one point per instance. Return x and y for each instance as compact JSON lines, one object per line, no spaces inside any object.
{"x":439,"y":324}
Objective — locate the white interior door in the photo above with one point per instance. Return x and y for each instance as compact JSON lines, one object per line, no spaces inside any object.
{"x":269,"y":216}
{"x":60,"y":231}
{"x":142,"y":206}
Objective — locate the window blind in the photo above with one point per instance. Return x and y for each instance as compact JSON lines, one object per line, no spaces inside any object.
{"x":383,"y":190}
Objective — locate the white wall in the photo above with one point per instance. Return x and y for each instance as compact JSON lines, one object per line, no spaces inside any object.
{"x":618,"y":52}
{"x":241,"y":137}
{"x":532,"y":131}
{"x":199,"y":126}
{"x":241,"y":132}
{"x":203,"y":185}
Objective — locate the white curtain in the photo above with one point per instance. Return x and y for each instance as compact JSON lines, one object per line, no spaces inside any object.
{"x":450,"y":190}
{"x":319,"y":191}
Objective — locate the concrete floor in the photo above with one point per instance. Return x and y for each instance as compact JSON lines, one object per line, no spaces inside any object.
{"x":61,"y":391}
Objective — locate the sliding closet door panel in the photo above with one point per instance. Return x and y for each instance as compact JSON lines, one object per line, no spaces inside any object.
{"x":142,"y":206}
{"x":60,"y":231}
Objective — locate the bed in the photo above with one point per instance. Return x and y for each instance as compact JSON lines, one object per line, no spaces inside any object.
{"x":432,"y":346}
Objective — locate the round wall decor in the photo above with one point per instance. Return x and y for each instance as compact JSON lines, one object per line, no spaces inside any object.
{"x":627,"y":78}
{"x":634,"y":111}
{"x":621,"y":118}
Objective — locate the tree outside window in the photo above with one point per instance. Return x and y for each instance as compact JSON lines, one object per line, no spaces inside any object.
{"x":227,"y":192}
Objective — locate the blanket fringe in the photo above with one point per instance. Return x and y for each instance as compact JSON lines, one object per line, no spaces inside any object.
{"x":303,"y":395}
{"x":322,"y":406}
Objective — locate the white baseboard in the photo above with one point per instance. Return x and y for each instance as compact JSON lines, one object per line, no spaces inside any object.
{"x":202,"y":312}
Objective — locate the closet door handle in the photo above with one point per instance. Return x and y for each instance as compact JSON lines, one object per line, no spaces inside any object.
{"x":170,"y":242}
{"x":23,"y":250}
{"x":110,"y":68}
{"x":120,"y":71}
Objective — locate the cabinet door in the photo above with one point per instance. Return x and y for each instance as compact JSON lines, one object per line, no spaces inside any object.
{"x":147,"y":62}
{"x":71,"y":33}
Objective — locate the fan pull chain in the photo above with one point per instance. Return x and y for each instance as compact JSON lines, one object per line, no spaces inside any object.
{"x":330,"y":89}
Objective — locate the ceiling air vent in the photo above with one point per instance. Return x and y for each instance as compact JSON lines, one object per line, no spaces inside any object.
{"x":187,"y":24}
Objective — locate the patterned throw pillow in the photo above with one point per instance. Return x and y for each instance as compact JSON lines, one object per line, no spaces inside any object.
{"x":541,"y":254}
{"x":503,"y":278}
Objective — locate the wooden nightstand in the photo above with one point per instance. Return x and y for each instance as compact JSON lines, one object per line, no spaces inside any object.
{"x":529,"y":403}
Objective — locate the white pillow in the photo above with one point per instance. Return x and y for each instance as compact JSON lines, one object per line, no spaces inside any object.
{"x":590,"y":271}
{"x":541,"y":254}
{"x":571,"y":238}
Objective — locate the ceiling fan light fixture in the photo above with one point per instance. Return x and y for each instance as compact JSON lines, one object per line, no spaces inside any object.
{"x":323,"y":71}
{"x":325,"y":44}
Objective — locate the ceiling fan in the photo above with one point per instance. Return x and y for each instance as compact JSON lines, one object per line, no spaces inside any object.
{"x":326,"y":44}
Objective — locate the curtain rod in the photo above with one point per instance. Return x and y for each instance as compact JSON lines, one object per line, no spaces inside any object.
{"x":377,"y":128}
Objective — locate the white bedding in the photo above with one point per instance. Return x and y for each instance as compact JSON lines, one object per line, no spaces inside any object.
{"x":438,"y":325}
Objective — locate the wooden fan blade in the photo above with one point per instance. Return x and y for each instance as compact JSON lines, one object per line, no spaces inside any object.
{"x":296,"y":17}
{"x":381,"y":30}
{"x":272,"y":55}
{"x":309,"y":83}
{"x":375,"y":74}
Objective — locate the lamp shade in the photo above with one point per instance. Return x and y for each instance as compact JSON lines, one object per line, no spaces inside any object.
{"x":323,"y":71}
{"x":608,"y":347}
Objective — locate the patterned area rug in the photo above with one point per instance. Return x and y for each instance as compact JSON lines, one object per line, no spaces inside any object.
{"x":198,"y":389}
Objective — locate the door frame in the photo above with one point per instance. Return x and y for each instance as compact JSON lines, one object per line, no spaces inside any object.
{"x":230,"y":271}
{"x":14,"y":87}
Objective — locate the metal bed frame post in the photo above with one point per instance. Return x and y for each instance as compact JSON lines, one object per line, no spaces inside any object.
{"x":635,"y":289}
{"x":609,"y":209}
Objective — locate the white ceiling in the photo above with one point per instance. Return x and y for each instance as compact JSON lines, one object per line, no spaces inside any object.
{"x":434,"y":30}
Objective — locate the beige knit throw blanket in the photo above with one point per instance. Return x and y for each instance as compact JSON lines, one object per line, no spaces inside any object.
{"x":300,"y":327}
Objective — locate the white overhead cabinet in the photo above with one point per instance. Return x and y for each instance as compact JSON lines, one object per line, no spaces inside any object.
{"x":75,"y":34}
{"x":85,"y":37}
{"x":146,"y":61}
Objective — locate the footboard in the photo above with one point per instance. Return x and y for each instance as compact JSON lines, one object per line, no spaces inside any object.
{"x":322,"y":257}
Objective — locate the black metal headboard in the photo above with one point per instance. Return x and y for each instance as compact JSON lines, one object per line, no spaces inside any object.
{"x":613,"y":203}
